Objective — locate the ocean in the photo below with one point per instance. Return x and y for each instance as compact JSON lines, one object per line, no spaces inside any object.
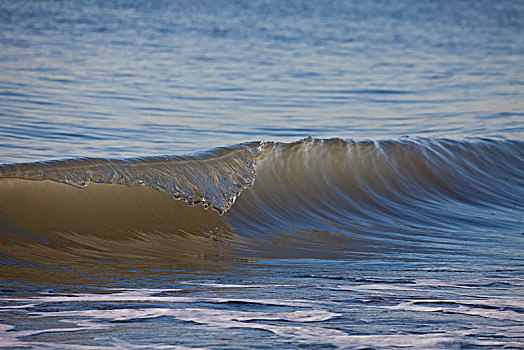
{"x":261,"y":174}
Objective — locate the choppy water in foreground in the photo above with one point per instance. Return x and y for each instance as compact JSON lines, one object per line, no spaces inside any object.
{"x":159,"y":187}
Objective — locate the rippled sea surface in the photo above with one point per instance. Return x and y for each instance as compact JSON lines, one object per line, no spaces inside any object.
{"x":261,"y":174}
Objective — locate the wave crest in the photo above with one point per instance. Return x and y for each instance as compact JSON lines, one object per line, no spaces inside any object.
{"x":214,"y":178}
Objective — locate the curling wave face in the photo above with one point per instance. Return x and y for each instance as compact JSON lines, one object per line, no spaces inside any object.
{"x":312,"y":198}
{"x":213,"y":178}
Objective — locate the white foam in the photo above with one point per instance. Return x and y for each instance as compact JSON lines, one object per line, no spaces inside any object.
{"x":457,"y":308}
{"x":198,"y":315}
{"x":10,"y":337}
{"x":23,"y":306}
{"x":304,"y":326}
{"x":148,"y":295}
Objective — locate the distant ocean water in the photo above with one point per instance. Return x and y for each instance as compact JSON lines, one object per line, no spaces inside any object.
{"x":261,"y":174}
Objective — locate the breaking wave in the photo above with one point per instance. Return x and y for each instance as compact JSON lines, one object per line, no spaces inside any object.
{"x":312,"y":198}
{"x":213,"y":178}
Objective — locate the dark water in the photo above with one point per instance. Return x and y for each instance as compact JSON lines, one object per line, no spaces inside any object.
{"x":159,"y":187}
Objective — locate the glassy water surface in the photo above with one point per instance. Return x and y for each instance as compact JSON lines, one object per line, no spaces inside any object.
{"x":345,"y":174}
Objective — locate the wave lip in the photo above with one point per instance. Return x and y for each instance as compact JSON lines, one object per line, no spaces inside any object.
{"x":214,"y":178}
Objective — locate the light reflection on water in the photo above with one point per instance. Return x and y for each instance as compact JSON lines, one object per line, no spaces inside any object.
{"x":171,"y":78}
{"x":314,"y":303}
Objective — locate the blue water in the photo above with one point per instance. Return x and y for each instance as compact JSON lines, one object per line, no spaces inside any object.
{"x":363,"y":165}
{"x":139,"y":78}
